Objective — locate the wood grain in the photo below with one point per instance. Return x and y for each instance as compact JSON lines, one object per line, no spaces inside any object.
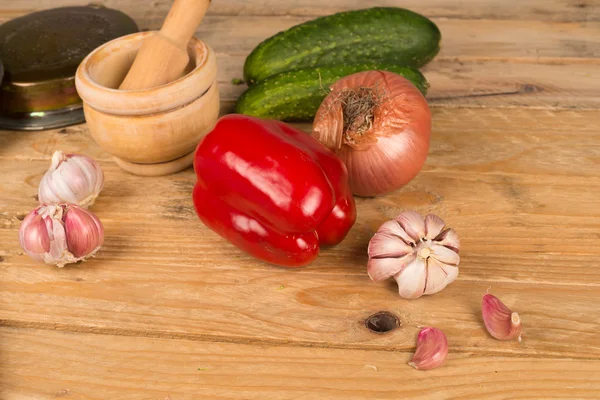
{"x":169,"y":310}
{"x":505,"y":179}
{"x":464,"y":39}
{"x":557,"y":10}
{"x":153,"y":297}
{"x":456,"y":83}
{"x":518,"y":135}
{"x":45,"y":365}
{"x":551,"y":63}
{"x":506,"y":235}
{"x":461,"y":39}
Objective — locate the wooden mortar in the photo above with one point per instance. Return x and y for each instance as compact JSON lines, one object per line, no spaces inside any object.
{"x":150,"y":131}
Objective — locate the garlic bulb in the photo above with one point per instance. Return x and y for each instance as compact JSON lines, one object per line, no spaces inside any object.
{"x":61,"y":234}
{"x":432,"y":349}
{"x":499,"y":320}
{"x":418,"y":252}
{"x":72,"y":178}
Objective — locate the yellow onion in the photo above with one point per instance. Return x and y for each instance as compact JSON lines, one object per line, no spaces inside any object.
{"x":378,"y":124}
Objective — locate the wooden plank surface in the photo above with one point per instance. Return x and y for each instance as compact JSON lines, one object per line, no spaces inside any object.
{"x":170,"y":275}
{"x":556,"y":10}
{"x":464,"y":39}
{"x":472,"y":68}
{"x":476,"y":39}
{"x":168,"y":310}
{"x":552,"y":64}
{"x":45,"y":365}
{"x":238,"y":305}
{"x":479,"y":84}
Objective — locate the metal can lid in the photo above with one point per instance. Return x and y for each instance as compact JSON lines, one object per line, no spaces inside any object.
{"x":41,"y":52}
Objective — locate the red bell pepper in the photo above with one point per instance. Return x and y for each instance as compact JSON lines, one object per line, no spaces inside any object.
{"x":271,"y":190}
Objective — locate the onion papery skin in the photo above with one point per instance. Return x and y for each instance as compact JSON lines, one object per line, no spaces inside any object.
{"x":393,"y":150}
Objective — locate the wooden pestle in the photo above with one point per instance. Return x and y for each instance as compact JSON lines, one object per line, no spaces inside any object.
{"x":163,"y":57}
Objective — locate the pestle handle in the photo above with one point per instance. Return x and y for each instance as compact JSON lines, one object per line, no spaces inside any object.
{"x":183,"y":19}
{"x":163,"y":56}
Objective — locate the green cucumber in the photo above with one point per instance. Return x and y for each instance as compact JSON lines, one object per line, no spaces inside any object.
{"x":387,"y":35}
{"x":296,"y":95}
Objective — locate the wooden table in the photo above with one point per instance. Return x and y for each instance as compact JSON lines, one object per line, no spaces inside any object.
{"x":170,"y":310}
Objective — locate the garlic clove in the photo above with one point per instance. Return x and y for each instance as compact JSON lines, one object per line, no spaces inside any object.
{"x":449,"y":239}
{"x":499,"y":320}
{"x":394,"y":228}
{"x":379,"y":269}
{"x":439,"y":275}
{"x":58,"y":244}
{"x":385,"y":245}
{"x":34,"y":233}
{"x":72,"y":178}
{"x":433,"y":226}
{"x":450,"y":270}
{"x":411,"y":280}
{"x":84,"y":233}
{"x":436,"y":278}
{"x":444,"y":254}
{"x":412,"y":222}
{"x":432,"y":349}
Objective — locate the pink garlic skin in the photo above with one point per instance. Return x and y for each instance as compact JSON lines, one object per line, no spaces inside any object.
{"x":72,"y":178}
{"x":61,"y":234}
{"x":499,"y":320}
{"x":34,"y":236}
{"x":432,"y":349}
{"x":417,"y":252}
{"x":82,"y":229}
